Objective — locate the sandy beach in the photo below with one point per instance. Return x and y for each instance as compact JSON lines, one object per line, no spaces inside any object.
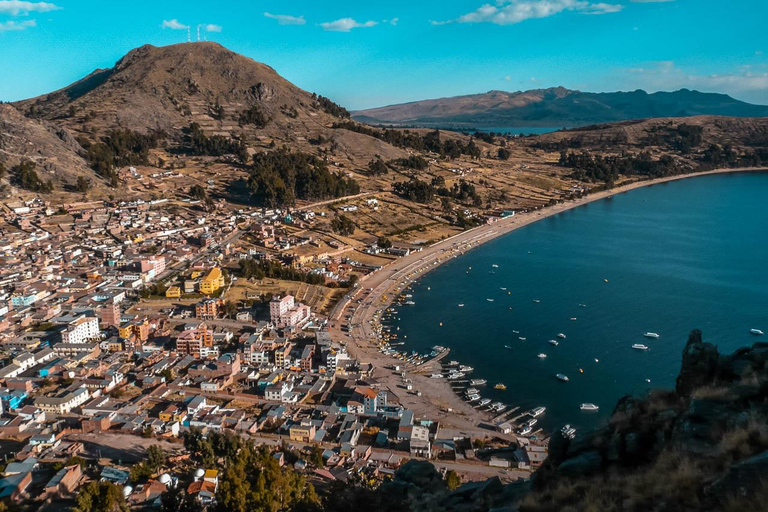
{"x":377,"y":290}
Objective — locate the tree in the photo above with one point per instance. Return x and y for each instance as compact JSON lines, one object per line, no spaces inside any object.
{"x":504,"y":154}
{"x":384,"y":242}
{"x":254,"y":116}
{"x":452,"y":480}
{"x":155,"y":457}
{"x":377,"y":167}
{"x":316,"y":457}
{"x":83,"y":184}
{"x":343,"y":225}
{"x":25,"y":176}
{"x":101,"y":497}
{"x":230,"y":309}
{"x":198,"y":192}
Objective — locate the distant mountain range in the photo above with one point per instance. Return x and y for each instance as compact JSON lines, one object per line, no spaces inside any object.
{"x":555,"y":107}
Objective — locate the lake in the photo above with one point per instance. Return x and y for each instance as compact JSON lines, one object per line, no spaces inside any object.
{"x":676,"y":256}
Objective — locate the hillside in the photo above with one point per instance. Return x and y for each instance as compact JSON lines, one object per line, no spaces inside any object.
{"x":556,"y":107}
{"x":53,"y":149}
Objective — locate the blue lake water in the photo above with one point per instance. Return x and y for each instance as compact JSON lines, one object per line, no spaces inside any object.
{"x":677,"y":256}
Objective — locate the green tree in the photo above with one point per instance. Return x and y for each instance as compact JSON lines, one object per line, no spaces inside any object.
{"x":83,"y":184}
{"x":452,"y":480}
{"x":504,"y":154}
{"x":343,"y":225}
{"x":230,"y":309}
{"x":155,"y":457}
{"x":100,"y":497}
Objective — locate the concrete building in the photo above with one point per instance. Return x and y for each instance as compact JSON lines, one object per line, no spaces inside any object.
{"x":80,"y":330}
{"x":286,"y":312}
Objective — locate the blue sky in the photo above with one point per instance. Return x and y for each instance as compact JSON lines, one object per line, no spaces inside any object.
{"x":365,"y":54}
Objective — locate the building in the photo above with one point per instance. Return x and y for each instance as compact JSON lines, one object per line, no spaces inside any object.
{"x":419,"y":443}
{"x":303,"y":432}
{"x":110,"y":314}
{"x":286,"y":312}
{"x":63,"y":403}
{"x":173,"y":292}
{"x":80,"y":330}
{"x":207,"y":309}
{"x":64,"y":482}
{"x":197,"y":341}
{"x":213,"y":281}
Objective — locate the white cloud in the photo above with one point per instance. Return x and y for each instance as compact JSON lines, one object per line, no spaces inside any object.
{"x":747,"y":82}
{"x":508,"y":78}
{"x":286,"y":19}
{"x":346,"y":24}
{"x":9,"y":26}
{"x":174,"y":25}
{"x":18,"y":7}
{"x":509,"y":12}
{"x":210,"y":27}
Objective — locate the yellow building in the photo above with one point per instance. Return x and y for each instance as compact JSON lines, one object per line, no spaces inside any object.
{"x":174,"y":292}
{"x":213,"y":281}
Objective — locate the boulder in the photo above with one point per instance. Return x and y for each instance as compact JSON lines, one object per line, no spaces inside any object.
{"x":585,"y":464}
{"x":742,"y":479}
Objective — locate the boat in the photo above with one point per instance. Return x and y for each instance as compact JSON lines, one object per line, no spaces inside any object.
{"x":461,"y":305}
{"x":522,"y":338}
{"x":436,"y":376}
{"x":554,"y":342}
{"x":542,"y":356}
{"x":589,"y":407}
{"x":568,"y":432}
{"x":495,"y":405}
{"x":651,"y":335}
{"x":562,"y":377}
{"x":500,"y":408}
{"x":538,"y":411}
{"x":473,"y":398}
{"x":472,"y":391}
{"x":484,"y":402}
{"x":508,"y":346}
{"x":531,"y":422}
{"x":756,"y":332}
{"x":639,"y":346}
{"x":489,"y":300}
{"x":466,"y":369}
{"x":573,"y":319}
{"x":409,"y":303}
{"x":536,"y":301}
{"x":500,"y":386}
{"x":561,"y":336}
{"x":478,"y":382}
{"x":524,"y":431}
{"x":495,"y":266}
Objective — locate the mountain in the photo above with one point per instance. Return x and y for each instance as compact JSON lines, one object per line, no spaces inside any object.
{"x":556,"y":107}
{"x":167,"y":88}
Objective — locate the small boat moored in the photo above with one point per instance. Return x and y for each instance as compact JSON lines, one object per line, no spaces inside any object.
{"x":639,"y":346}
{"x":652,"y":335}
{"x":500,"y":386}
{"x":542,"y":356}
{"x":756,"y":332}
{"x":538,"y":411}
{"x":562,"y":377}
{"x":589,"y":407}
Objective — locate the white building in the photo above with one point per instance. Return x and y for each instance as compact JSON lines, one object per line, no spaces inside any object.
{"x":62,"y":404}
{"x":286,"y":312}
{"x":80,"y":330}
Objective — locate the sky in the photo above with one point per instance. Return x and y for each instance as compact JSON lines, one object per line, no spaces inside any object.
{"x":374,"y":53}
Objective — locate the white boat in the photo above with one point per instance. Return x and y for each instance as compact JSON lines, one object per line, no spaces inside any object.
{"x":484,"y":402}
{"x":489,"y":300}
{"x":495,"y":266}
{"x":651,"y":335}
{"x":568,"y":431}
{"x":496,"y":405}
{"x":536,"y":301}
{"x":562,"y":377}
{"x":466,"y":369}
{"x":515,"y":332}
{"x":524,"y":431}
{"x":589,"y":407}
{"x":508,"y":346}
{"x":756,"y":332}
{"x":554,"y":342}
{"x":461,"y":305}
{"x":538,"y":411}
{"x":472,"y":391}
{"x":522,"y":338}
{"x":639,"y":346}
{"x":473,"y":398}
{"x":542,"y":356}
{"x":409,"y":303}
{"x":531,"y":422}
{"x":478,"y":382}
{"x":500,"y":408}
{"x":436,"y":376}
{"x":561,"y":336}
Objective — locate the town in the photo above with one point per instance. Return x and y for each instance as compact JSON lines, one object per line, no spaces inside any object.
{"x":129,"y":325}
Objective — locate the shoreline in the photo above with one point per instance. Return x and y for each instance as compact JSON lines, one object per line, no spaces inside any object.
{"x":376,"y":291}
